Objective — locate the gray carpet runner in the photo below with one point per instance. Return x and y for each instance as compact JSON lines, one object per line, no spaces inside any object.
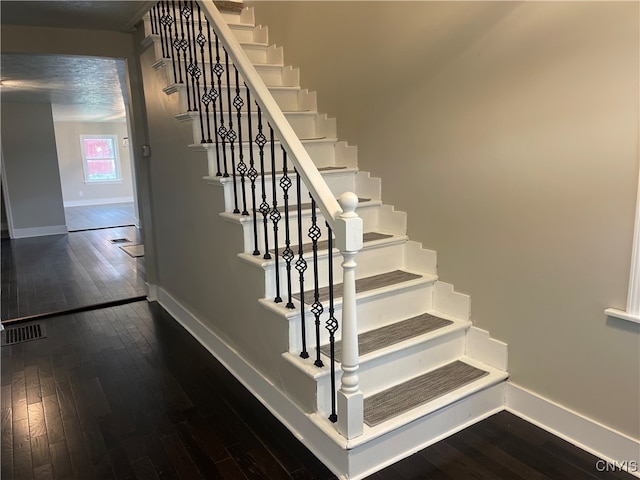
{"x":362,"y":285}
{"x":390,"y":334}
{"x":401,"y":398}
{"x":322,"y":245}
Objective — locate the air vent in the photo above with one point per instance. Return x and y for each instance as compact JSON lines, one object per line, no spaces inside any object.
{"x":23,"y":333}
{"x":120,"y":240}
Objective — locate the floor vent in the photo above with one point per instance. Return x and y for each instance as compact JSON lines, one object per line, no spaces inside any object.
{"x":23,"y":333}
{"x":120,"y":240}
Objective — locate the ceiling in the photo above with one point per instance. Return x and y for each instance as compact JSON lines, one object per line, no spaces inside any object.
{"x":79,"y":88}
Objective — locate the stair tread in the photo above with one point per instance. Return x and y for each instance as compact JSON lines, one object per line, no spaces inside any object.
{"x":401,"y":398}
{"x":324,"y":244}
{"x":390,"y":334}
{"x":362,"y":285}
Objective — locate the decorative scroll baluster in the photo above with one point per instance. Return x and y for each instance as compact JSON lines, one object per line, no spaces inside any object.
{"x":206,"y":96}
{"x":191,"y":69}
{"x":221,"y":130}
{"x":171,"y":21}
{"x":301,"y":267}
{"x":253,"y":175}
{"x":194,"y":69}
{"x":177,"y":43}
{"x":213,"y":93}
{"x":261,"y":141}
{"x":287,"y":254}
{"x":332,"y":326}
{"x":163,"y":30}
{"x":242,"y":167}
{"x":316,"y":308}
{"x":275,"y":214}
{"x":231,"y":136}
{"x":183,"y":44}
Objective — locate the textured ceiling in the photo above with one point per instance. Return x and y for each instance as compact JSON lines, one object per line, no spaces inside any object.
{"x":79,"y":88}
{"x":101,"y":15}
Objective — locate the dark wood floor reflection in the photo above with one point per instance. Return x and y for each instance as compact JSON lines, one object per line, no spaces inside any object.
{"x":100,"y":216}
{"x":126,"y":393}
{"x":64,"y":272}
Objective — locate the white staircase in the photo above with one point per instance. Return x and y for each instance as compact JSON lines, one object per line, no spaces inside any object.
{"x":412,"y":326}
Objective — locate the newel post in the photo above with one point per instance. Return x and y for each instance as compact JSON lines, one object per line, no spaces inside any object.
{"x":349,"y":241}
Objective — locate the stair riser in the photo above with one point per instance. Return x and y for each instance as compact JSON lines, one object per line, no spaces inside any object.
{"x":289,"y":100}
{"x":304,"y":125}
{"x":323,"y":155}
{"x":371,"y":261}
{"x":271,"y":75}
{"x":243,"y":33}
{"x":373,"y":312}
{"x":398,"y":367}
{"x":338,"y":183}
{"x":368,"y":215}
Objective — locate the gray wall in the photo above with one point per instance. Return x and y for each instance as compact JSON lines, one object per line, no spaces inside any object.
{"x":71,"y":164}
{"x":31,"y":169}
{"x":509,"y":133}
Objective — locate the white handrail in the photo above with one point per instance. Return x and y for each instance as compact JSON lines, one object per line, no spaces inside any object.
{"x":323,"y":196}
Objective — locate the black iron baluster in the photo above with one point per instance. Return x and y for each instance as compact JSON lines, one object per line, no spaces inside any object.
{"x":194,"y":69}
{"x":152,"y":19}
{"x":186,"y":13}
{"x":206,"y":95}
{"x":163,"y":30}
{"x":178,"y":43}
{"x":332,"y":326}
{"x":316,"y":308}
{"x":275,"y":214}
{"x":171,"y":23}
{"x":214,"y":95}
{"x":301,"y":267}
{"x":287,"y":254}
{"x":242,"y":167}
{"x":231,"y":136}
{"x":253,"y":175}
{"x":221,"y":130}
{"x":261,"y":141}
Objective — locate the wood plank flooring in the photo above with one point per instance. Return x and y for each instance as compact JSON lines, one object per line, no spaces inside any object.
{"x":126,"y":393}
{"x":63,"y":272}
{"x":100,"y":216}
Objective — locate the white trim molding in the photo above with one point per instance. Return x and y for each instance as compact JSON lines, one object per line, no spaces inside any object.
{"x":633,"y":297}
{"x":616,"y":449}
{"x":40,"y":231}
{"x":97,"y":201}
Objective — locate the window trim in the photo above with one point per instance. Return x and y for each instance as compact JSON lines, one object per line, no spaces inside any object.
{"x":632,"y":313}
{"x":85,"y":167}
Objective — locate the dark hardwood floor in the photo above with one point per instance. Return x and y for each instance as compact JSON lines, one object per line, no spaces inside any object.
{"x":64,"y":272}
{"x":126,"y":393}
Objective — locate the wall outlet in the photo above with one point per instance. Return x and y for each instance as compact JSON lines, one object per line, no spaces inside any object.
{"x":80,"y":193}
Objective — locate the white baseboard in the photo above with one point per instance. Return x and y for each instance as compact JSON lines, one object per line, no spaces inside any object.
{"x":616,"y":448}
{"x":39,"y":231}
{"x":486,"y":349}
{"x":152,"y":292}
{"x":96,"y":201}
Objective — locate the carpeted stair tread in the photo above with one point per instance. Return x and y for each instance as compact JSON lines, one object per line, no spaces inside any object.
{"x":401,"y":398}
{"x":388,"y":335}
{"x":362,"y":285}
{"x":323,"y":245}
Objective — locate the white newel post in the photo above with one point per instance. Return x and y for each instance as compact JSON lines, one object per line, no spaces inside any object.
{"x":349,"y":242}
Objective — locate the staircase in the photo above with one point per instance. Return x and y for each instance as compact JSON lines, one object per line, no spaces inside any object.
{"x":421,"y":371}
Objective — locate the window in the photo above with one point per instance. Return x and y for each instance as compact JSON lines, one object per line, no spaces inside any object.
{"x":100,"y":158}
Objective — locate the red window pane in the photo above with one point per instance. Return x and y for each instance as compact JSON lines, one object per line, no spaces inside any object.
{"x":99,"y":148}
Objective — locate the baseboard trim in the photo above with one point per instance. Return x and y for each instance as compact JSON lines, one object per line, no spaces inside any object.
{"x":152,"y":292}
{"x":96,"y":201}
{"x":616,"y":448}
{"x":39,"y":231}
